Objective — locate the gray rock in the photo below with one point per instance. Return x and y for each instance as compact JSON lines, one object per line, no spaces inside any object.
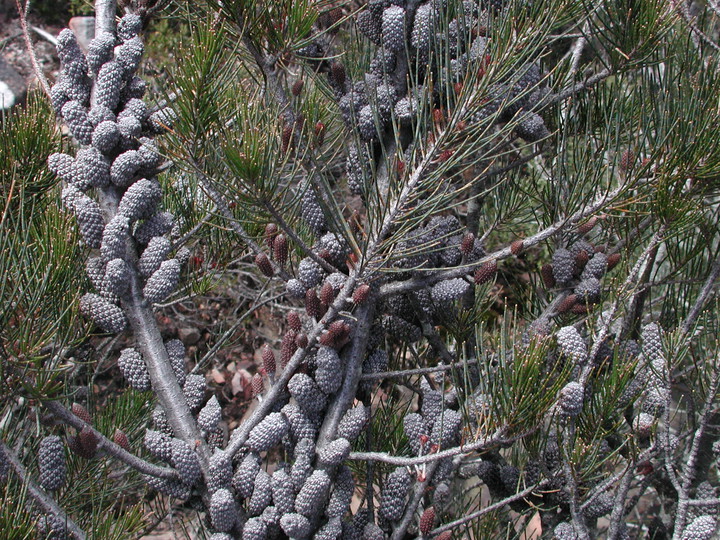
{"x":12,"y":86}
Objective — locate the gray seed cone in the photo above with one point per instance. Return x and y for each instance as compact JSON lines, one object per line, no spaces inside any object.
{"x":334,"y":453}
{"x":563,"y":265}
{"x":393,"y":28}
{"x":283,"y":491}
{"x":572,"y":344}
{"x":262,"y":494}
{"x":596,"y":266}
{"x":108,"y":84}
{"x":210,"y":415}
{"x":243,"y":480}
{"x":114,"y":238}
{"x":163,"y":282}
{"x":51,"y":461}
{"x":307,"y":393}
{"x":100,"y":50}
{"x":125,"y":167}
{"x":268,"y":432}
{"x":310,"y":499}
{"x":134,"y":370}
{"x":185,"y":460}
{"x":176,"y":352}
{"x":117,"y":277}
{"x":353,"y":422}
{"x":158,"y":444}
{"x":296,"y":526}
{"x":571,"y":398}
{"x":140,"y":200}
{"x":90,"y":222}
{"x":223,"y":511}
{"x":157,"y":225}
{"x":394,"y":492}
{"x":106,"y":315}
{"x":194,"y":390}
{"x":154,"y":255}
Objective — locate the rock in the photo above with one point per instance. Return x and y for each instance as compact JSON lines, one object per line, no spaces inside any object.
{"x":84,"y":30}
{"x":189,"y":335}
{"x":12,"y":86}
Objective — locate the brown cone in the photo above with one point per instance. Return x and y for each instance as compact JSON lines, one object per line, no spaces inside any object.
{"x":485,"y":272}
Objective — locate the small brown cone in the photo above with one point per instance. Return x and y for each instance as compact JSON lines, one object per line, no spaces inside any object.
{"x":257,"y":385}
{"x":301,"y":341}
{"x":586,"y":227}
{"x":627,"y":160}
{"x":312,"y":304}
{"x":447,"y":535}
{"x":467,"y":243}
{"x":581,"y":259}
{"x":294,"y":322}
{"x":271,"y":231}
{"x":287,"y":347}
{"x":485,"y":272}
{"x":263,"y":263}
{"x":268,"y":359}
{"x":567,"y":304}
{"x":547,"y":275}
{"x":612,"y":261}
{"x":121,"y":440}
{"x":516,"y":247}
{"x":297,"y":87}
{"x":82,"y":413}
{"x":579,"y":308}
{"x":427,"y":520}
{"x":85,"y":444}
{"x":280,"y":248}
{"x":361,"y":294}
{"x":319,"y":133}
{"x":327,"y":294}
{"x":337,"y":72}
{"x":287,"y":137}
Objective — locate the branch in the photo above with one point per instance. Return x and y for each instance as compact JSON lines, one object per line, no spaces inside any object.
{"x":417,"y":283}
{"x":702,"y":298}
{"x":109,"y":446}
{"x":491,"y":508}
{"x":498,"y":439}
{"x":578,"y":521}
{"x":353,"y":361}
{"x":417,"y":495}
{"x":105,"y":16}
{"x":689,"y":470}
{"x":562,"y":95}
{"x":46,"y":502}
{"x":416,"y":371}
{"x":240,"y":435}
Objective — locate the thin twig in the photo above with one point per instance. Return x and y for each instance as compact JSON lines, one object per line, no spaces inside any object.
{"x":497,"y":439}
{"x":221,"y":341}
{"x":22,"y":15}
{"x":702,"y":298}
{"x":415,"y":371}
{"x":111,"y":448}
{"x":491,"y":508}
{"x":417,"y":283}
{"x":46,"y":502}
